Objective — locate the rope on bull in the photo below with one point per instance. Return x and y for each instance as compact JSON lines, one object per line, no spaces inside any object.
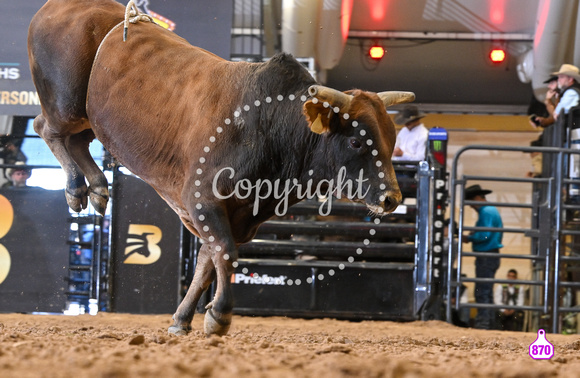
{"x":133,"y":15}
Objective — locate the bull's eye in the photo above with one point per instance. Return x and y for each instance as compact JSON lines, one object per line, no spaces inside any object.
{"x":355,"y":143}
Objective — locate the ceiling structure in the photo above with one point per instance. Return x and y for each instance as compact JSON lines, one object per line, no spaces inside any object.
{"x":439,"y":50}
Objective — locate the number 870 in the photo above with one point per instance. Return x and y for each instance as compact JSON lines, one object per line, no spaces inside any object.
{"x":542,"y":349}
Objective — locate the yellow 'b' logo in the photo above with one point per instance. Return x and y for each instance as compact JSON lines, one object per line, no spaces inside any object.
{"x":142,"y":245}
{"x":6,"y":220}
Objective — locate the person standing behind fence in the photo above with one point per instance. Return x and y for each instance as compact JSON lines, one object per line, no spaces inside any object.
{"x":510,"y":295}
{"x":484,"y":241}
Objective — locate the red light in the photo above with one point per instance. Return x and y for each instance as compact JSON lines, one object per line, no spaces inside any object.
{"x":378,"y":9}
{"x":497,"y":11}
{"x":497,"y":55}
{"x":376,"y":52}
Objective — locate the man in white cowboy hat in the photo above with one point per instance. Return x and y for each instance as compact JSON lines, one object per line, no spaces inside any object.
{"x":568,"y":83}
{"x":412,"y":139}
{"x":17,"y":176}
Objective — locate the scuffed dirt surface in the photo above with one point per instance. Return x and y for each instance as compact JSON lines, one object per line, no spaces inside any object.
{"x":121,"y":345}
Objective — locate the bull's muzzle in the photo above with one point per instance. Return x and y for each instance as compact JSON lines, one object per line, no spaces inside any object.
{"x":392,"y":199}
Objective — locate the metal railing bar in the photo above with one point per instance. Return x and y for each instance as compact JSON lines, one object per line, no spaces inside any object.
{"x":569,"y":284}
{"x":501,"y":204}
{"x":489,"y":305}
{"x":500,"y":229}
{"x":506,"y":281}
{"x":570,"y":258}
{"x":569,"y":309}
{"x":507,"y":179}
{"x":503,"y":255}
{"x":570,"y":232}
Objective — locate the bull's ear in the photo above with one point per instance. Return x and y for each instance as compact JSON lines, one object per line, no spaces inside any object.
{"x":317,"y":115}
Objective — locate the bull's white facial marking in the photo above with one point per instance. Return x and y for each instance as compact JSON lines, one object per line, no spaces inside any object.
{"x":238,"y":121}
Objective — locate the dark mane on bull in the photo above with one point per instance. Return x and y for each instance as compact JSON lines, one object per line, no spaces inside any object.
{"x":277,"y":131}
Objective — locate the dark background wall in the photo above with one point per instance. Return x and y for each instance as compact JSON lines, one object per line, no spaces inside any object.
{"x":206,"y":24}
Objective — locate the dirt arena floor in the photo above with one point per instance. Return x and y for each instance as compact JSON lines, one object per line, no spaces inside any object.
{"x":119,"y":345}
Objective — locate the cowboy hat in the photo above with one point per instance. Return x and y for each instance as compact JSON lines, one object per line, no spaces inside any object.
{"x":10,"y":171}
{"x":475,"y":190}
{"x":568,"y":70}
{"x":408,"y":114}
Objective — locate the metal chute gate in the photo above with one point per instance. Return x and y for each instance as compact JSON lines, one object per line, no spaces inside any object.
{"x":553,"y":228}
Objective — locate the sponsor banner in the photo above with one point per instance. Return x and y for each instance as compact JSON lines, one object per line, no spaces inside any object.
{"x":203,"y":24}
{"x":34,"y":254}
{"x":256,"y":279}
{"x":145,"y":234}
{"x":363,"y":293}
{"x":18,"y":98}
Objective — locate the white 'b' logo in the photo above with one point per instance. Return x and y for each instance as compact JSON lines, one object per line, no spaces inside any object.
{"x":142,"y":248}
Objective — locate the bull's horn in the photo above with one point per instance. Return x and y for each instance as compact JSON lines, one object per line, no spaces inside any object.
{"x":332,"y":96}
{"x":394,"y":97}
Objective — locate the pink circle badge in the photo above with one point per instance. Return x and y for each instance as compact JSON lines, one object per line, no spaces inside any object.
{"x":541,"y":349}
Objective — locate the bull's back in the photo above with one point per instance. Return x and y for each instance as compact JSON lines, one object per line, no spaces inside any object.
{"x":63,"y":38}
{"x":151,"y":96}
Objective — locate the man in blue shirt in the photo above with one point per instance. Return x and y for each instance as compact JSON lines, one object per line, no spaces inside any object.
{"x":484,"y":241}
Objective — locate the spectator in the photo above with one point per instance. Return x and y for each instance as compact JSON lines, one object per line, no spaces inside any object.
{"x":484,"y":241}
{"x":10,"y":152}
{"x":550,"y":103}
{"x":568,"y":79}
{"x":411,"y":139}
{"x":568,"y":82}
{"x":510,"y":295}
{"x":17,"y":176}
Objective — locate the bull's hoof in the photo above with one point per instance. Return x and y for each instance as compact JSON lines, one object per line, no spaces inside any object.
{"x":77,"y":199}
{"x":179,"y":330}
{"x":214,"y":325}
{"x":99,"y":197}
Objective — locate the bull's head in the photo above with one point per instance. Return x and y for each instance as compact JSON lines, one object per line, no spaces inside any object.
{"x":359,"y":136}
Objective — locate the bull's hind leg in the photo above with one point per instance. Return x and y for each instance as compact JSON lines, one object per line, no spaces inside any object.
{"x":218,"y":316}
{"x":224,"y":253}
{"x":215,"y":260}
{"x":203,"y":277}
{"x":76,"y":188}
{"x":78,"y":147}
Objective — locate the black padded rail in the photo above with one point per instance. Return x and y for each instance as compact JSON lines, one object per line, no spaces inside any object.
{"x":342,"y":208}
{"x":352,"y":229}
{"x":334,"y":249}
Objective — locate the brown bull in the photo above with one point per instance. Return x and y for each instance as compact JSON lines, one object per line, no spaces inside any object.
{"x":177,"y":116}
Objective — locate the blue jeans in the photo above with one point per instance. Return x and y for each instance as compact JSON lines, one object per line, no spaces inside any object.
{"x":485,"y":268}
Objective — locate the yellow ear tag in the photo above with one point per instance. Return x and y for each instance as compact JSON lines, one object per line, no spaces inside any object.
{"x":317,"y":126}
